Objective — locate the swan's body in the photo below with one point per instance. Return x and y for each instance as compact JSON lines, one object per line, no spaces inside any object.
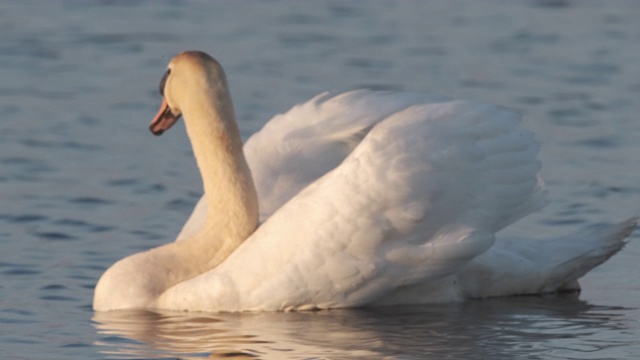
{"x":364,"y":197}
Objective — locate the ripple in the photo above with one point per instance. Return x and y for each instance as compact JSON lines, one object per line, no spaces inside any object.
{"x":23,"y":218}
{"x":55,"y":236}
{"x":560,"y":222}
{"x":344,"y":10}
{"x":380,"y":87}
{"x":60,"y":145}
{"x":89,"y":200}
{"x":597,"y":68}
{"x":109,"y":38}
{"x":37,"y":93}
{"x":57,"y":298}
{"x":598,"y":190}
{"x":84,"y":225}
{"x":299,"y":19}
{"x":369,"y":64}
{"x":72,"y":222}
{"x":552,"y":4}
{"x":21,"y":271}
{"x":151,"y":189}
{"x":32,"y":47}
{"x":530,"y":100}
{"x":16,"y":340}
{"x":148,"y":235}
{"x":25,"y":165}
{"x":9,"y":321}
{"x":602,"y":142}
{"x":17,"y":317}
{"x":426,"y":51}
{"x":89,"y":120}
{"x":122,"y":182}
{"x":180,"y":204}
{"x":76,"y":345}
{"x":295,"y":40}
{"x":570,"y":117}
{"x":522,"y":42}
{"x":19,"y":160}
{"x":586,"y":80}
{"x":53,"y":287}
{"x":121,"y":43}
{"x":481,"y":84}
{"x":594,"y":74}
{"x":137,"y":186}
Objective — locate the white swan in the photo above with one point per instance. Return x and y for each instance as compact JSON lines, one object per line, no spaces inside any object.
{"x":365,"y":198}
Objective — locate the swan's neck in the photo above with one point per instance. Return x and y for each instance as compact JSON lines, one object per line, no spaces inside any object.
{"x":232,"y":212}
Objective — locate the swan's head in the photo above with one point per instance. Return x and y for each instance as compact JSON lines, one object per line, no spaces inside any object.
{"x":189,"y":75}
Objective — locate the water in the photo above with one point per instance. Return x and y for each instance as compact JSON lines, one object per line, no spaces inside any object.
{"x":83,"y":183}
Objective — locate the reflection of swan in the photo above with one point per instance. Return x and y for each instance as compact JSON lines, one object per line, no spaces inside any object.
{"x":366,"y":197}
{"x":505,"y":328}
{"x":259,"y":335}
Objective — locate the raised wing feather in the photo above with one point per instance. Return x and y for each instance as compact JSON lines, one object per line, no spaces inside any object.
{"x":296,"y":148}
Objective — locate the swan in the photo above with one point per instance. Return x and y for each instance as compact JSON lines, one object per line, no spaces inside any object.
{"x":350,"y":199}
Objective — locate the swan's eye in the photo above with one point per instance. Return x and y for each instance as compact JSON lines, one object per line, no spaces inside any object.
{"x":163,"y":81}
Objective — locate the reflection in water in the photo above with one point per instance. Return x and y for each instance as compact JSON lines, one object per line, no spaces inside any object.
{"x":549,"y":327}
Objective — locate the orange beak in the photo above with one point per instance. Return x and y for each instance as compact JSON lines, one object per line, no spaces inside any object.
{"x":163,"y":120}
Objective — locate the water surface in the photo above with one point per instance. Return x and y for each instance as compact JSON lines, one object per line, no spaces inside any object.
{"x":83,"y":183}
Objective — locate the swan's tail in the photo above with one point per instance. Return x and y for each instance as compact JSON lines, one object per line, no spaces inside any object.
{"x":522,"y":267}
{"x":535,"y":266}
{"x":578,"y":253}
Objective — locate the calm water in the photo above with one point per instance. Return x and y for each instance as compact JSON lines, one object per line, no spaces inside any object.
{"x":83,"y":183}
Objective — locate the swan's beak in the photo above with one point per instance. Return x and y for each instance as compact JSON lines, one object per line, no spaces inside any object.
{"x":164,"y":119}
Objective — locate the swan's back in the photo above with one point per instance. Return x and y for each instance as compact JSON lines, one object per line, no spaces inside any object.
{"x":369,"y":191}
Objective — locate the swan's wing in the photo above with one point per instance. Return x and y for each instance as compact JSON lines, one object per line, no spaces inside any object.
{"x":420,"y":196}
{"x":296,"y":148}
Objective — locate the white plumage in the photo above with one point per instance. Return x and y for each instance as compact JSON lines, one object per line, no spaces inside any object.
{"x":386,"y":198}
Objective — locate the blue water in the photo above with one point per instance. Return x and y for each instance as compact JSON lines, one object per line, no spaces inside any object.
{"x":83,"y":182}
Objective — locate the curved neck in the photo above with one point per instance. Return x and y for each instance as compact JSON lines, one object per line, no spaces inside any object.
{"x":232,"y":203}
